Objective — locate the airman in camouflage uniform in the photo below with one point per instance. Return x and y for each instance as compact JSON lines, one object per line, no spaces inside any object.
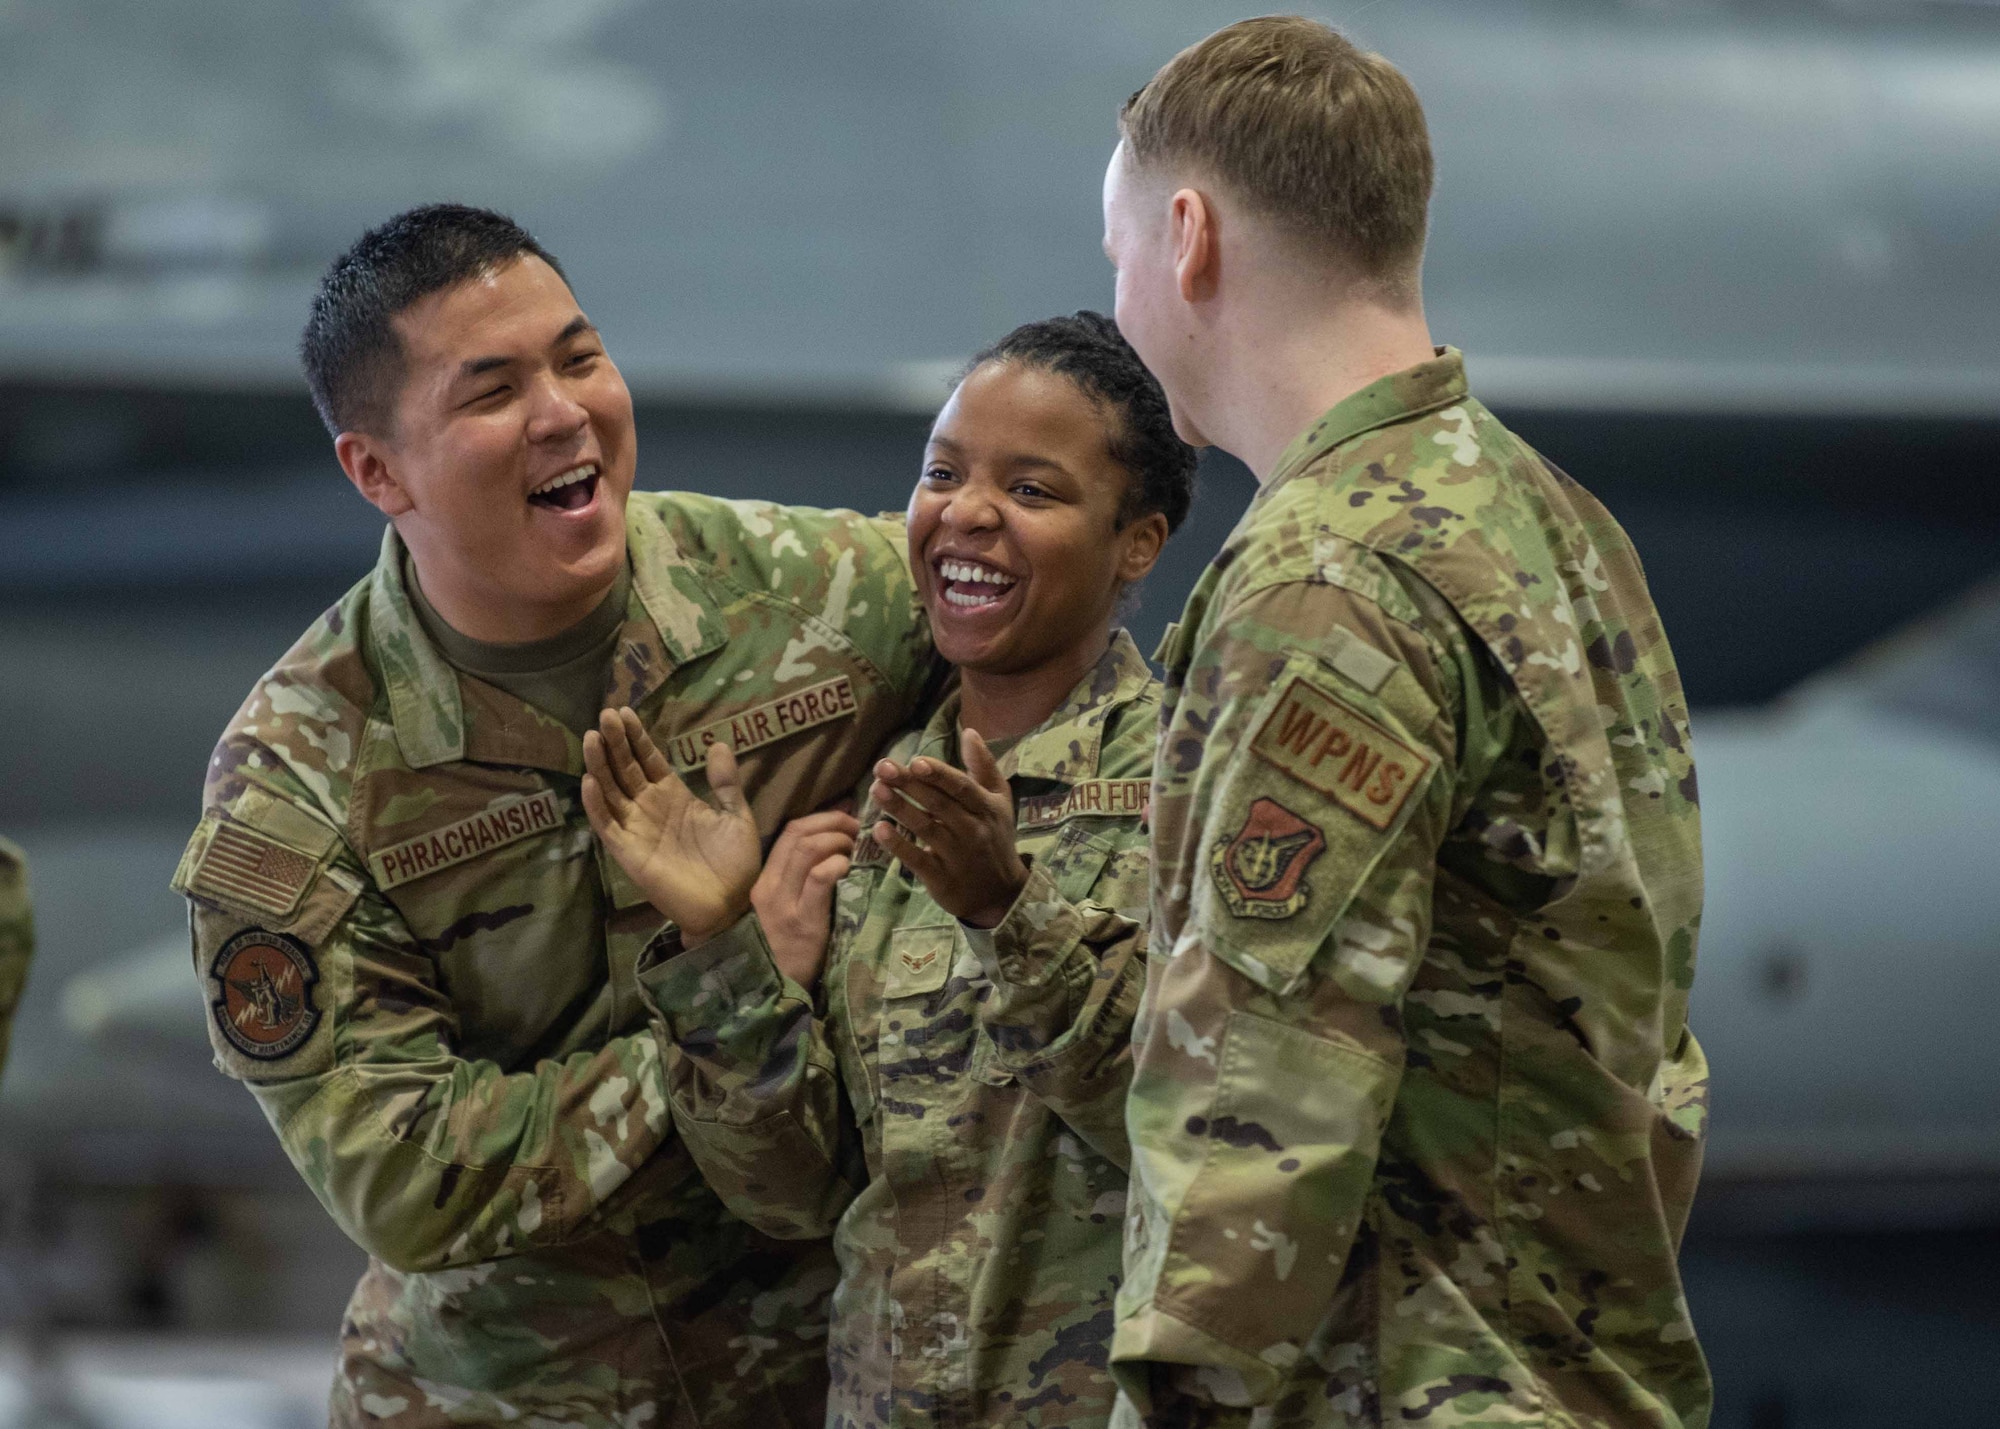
{"x":426,"y":971}
{"x":987,"y":1072}
{"x":1416,"y":1115}
{"x":17,"y":938}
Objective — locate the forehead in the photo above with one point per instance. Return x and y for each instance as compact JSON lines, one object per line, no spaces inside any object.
{"x":1012,"y":411}
{"x":523,"y":303}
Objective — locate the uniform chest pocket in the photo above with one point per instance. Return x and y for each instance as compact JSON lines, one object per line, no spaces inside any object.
{"x":1073,"y":856}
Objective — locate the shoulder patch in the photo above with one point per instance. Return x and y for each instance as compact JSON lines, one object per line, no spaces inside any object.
{"x":263,"y":983}
{"x":1327,"y":745}
{"x":1261,"y":871}
{"x":243,"y":867}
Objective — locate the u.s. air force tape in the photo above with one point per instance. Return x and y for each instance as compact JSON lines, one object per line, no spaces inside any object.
{"x":1111,"y":798}
{"x":468,"y":838}
{"x":765,"y":724}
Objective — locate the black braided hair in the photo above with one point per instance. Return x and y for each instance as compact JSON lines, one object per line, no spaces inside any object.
{"x":1088,"y":349}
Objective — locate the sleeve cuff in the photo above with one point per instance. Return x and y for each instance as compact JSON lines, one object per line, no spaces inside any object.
{"x":1222,"y":1372}
{"x":735,"y":963}
{"x":1033,"y":940}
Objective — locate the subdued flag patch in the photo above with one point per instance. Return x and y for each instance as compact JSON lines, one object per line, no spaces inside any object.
{"x":1325,"y":744}
{"x":1261,"y":871}
{"x":263,"y":1004}
{"x":241,"y":867}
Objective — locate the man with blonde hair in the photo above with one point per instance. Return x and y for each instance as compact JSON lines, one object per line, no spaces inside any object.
{"x":1416,"y":1117}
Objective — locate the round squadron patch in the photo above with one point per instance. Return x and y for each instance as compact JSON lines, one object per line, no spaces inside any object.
{"x":265,"y":981}
{"x":1261,"y":872}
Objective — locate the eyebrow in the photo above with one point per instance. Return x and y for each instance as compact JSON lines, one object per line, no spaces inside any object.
{"x":1013,"y":461}
{"x":474,"y":367}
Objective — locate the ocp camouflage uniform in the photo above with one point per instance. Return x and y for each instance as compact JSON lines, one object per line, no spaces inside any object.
{"x":988,"y":1074}
{"x":1416,"y":1114}
{"x":425,"y":968}
{"x":17,"y":939}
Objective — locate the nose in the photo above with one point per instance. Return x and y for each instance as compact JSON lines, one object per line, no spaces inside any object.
{"x":553,"y":414}
{"x":971,"y":508}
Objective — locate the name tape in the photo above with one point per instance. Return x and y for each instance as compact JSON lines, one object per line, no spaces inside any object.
{"x":468,"y":838}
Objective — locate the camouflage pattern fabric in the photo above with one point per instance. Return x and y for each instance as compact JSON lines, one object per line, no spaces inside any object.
{"x":1416,"y":1116}
{"x":426,"y":970}
{"x":17,"y":939}
{"x":987,"y":1072}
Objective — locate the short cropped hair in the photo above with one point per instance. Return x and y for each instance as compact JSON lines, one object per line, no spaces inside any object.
{"x":353,"y":357}
{"x":1307,"y":130}
{"x":1088,"y":350}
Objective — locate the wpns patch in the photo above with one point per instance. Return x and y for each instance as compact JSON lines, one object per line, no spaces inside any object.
{"x":1261,"y":872}
{"x":264,"y":981}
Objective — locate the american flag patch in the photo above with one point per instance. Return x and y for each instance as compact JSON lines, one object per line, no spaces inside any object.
{"x":242,"y":866}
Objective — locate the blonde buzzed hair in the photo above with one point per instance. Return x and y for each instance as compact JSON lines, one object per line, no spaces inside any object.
{"x":1307,"y":130}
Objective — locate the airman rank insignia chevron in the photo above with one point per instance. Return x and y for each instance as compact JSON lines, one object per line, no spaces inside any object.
{"x":264,"y":1005}
{"x":765,"y":724}
{"x":489,"y":829}
{"x":1324,"y":744}
{"x":1261,"y":872}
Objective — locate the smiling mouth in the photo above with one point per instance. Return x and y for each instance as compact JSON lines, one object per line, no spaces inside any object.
{"x":571,"y":491}
{"x":970,"y":585}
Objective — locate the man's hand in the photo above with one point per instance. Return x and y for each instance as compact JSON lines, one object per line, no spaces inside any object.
{"x":963,"y":828}
{"x":695,"y":861}
{"x":793,"y":896}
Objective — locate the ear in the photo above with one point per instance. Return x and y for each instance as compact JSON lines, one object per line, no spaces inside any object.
{"x":1144,"y":540}
{"x":367,"y":462}
{"x":1191,"y":220}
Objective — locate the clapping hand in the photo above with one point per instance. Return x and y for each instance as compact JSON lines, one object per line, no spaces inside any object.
{"x":953,"y":829}
{"x":694,"y":860}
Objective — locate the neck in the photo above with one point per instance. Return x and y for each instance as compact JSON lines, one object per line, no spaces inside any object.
{"x":478,"y":612}
{"x":1284,"y":361}
{"x":1008,"y":705}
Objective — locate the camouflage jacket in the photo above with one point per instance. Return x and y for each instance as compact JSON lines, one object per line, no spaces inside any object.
{"x":421,"y":962}
{"x":979,"y":1249}
{"x":1416,"y":1115}
{"x":17,"y":939}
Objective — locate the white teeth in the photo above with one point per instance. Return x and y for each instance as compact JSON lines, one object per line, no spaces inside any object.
{"x":956,"y":570}
{"x":568,"y":478}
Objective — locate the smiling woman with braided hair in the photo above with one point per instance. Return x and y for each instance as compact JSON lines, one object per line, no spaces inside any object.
{"x":911,"y":1030}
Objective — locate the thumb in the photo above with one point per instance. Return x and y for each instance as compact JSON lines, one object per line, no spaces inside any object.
{"x":980,"y":763}
{"x":725,"y":781}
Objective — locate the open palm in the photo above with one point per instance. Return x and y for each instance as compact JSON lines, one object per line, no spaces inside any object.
{"x":694,"y":860}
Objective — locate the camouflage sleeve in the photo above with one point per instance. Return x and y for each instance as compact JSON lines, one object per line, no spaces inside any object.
{"x":1305,"y":785}
{"x":17,"y":939}
{"x":329,"y":1009}
{"x":1066,"y":981}
{"x":753,"y":1084}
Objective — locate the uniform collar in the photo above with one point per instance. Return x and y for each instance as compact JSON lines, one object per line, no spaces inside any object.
{"x":1065,"y":747}
{"x":440,"y":717}
{"x":1400,"y":395}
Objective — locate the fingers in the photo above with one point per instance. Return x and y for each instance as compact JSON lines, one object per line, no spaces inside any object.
{"x":594,"y":806}
{"x":798,"y":851}
{"x":905,"y":810}
{"x":725,"y":781}
{"x":980,"y":763}
{"x":900,"y":845}
{"x":956,"y":785}
{"x":827,"y":872}
{"x":622,"y":764}
{"x":835,"y":820}
{"x":597,"y":771}
{"x":650,"y":759}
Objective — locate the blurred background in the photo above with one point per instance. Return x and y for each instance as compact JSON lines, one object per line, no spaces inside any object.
{"x":1735,"y":265}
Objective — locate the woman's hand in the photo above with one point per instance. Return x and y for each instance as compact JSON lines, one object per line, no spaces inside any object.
{"x":963,"y":827}
{"x":793,"y":896}
{"x":696,"y":862}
